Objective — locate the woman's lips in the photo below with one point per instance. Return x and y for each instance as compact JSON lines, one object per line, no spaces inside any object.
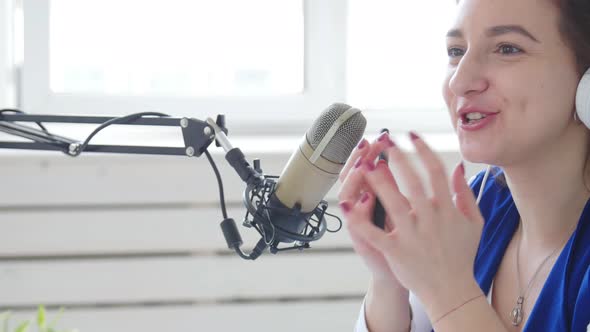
{"x":477,"y":124}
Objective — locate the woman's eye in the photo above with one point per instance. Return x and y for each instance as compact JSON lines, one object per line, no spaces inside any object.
{"x":454,"y":52}
{"x":508,"y":49}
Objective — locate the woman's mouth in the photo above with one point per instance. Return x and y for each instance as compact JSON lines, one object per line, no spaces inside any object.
{"x":476,"y":120}
{"x":473,"y":117}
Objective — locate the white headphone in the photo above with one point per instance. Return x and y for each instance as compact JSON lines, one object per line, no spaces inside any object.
{"x":583,"y":99}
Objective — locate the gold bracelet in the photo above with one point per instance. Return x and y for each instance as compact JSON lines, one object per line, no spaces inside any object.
{"x":457,"y":307}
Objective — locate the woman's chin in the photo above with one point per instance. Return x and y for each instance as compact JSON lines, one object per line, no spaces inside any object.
{"x":476,"y":155}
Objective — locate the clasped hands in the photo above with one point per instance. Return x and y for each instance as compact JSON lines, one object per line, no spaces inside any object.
{"x":429,"y":242}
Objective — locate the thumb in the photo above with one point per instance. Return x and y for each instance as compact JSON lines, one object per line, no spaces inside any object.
{"x":464,"y":198}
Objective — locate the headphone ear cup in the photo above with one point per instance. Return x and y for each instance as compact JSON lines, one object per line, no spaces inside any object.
{"x":583,"y":99}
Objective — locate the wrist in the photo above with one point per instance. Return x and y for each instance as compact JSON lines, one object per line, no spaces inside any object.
{"x":387,"y":306}
{"x":388,"y":286}
{"x":439,"y":302}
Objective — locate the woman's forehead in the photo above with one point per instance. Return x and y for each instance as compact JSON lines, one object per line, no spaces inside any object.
{"x":479,"y":16}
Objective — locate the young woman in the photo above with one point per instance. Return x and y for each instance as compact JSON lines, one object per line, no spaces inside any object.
{"x":517,"y":258}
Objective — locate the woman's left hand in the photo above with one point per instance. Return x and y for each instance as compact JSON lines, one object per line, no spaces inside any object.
{"x":433,"y":245}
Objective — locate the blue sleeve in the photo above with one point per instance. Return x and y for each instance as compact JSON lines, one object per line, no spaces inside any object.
{"x":581,"y":317}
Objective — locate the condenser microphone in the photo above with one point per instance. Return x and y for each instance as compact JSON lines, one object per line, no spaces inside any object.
{"x":313,"y":168}
{"x":291,"y":209}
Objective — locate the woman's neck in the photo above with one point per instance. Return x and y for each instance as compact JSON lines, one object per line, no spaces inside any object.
{"x":550,"y":192}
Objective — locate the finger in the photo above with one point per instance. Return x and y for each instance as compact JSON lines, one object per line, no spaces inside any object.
{"x":380,"y":145}
{"x":381,"y":181}
{"x":370,"y":234}
{"x":464,"y":199}
{"x":361,"y":212}
{"x":388,"y":224}
{"x":360,"y":151}
{"x":363,"y":248}
{"x":436,"y":171}
{"x":354,"y":183}
{"x":405,"y":173}
{"x":367,"y":152}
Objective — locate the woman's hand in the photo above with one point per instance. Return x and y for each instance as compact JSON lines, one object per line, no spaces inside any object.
{"x":432,"y":247}
{"x":355,"y":188}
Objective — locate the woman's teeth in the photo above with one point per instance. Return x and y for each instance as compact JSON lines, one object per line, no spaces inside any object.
{"x":475,"y":116}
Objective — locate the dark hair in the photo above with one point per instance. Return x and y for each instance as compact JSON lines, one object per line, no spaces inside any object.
{"x":574,"y":25}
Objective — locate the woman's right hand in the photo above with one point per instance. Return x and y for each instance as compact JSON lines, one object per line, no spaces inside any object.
{"x":352,"y":190}
{"x":387,"y":301}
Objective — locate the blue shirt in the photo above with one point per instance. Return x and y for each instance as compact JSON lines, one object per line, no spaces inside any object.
{"x":564,"y":301}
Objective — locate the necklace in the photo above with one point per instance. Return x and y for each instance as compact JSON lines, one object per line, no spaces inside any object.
{"x":516,"y":314}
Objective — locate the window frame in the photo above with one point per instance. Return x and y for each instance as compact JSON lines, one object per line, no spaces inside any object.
{"x":7,"y":61}
{"x":325,"y":31}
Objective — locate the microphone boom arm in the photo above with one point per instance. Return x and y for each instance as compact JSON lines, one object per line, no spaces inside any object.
{"x":197,"y":134}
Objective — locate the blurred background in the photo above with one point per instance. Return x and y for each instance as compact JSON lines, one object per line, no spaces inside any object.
{"x":132,"y":243}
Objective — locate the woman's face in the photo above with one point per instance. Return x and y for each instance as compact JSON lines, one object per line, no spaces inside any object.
{"x":508,"y":61}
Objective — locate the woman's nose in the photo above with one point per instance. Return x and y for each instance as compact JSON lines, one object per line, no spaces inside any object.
{"x":468,"y":77}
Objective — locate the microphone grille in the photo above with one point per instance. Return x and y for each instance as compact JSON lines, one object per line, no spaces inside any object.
{"x":346,"y":137}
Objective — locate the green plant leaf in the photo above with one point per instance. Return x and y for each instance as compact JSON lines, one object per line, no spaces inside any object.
{"x":41,"y":317}
{"x":23,"y":327}
{"x":56,"y":318}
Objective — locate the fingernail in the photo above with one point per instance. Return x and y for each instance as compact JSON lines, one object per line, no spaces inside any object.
{"x":383,"y":137}
{"x":362,"y":144}
{"x":370,"y":166}
{"x":344,"y":206}
{"x":413,"y":135}
{"x":358,"y":163}
{"x":364,"y":197}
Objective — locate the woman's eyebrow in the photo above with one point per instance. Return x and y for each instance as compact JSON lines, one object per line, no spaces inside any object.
{"x":497,"y":31}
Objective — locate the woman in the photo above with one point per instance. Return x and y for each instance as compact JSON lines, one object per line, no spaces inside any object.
{"x":518,"y":260}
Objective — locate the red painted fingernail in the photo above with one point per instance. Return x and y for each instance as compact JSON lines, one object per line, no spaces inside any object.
{"x":364,"y":197}
{"x":413,"y":135}
{"x":383,"y":137}
{"x":358,"y":163}
{"x":345,"y":206}
{"x":370,"y":166}
{"x":362,"y":144}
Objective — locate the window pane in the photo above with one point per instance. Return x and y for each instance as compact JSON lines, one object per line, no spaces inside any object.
{"x":397,"y":53}
{"x":177,"y":47}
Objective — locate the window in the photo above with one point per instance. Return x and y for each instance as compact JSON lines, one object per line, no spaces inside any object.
{"x":397,"y":59}
{"x":270,"y":66}
{"x":176,"y":48}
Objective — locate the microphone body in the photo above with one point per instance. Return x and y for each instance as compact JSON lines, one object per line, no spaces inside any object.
{"x":312,"y":170}
{"x":304,"y":182}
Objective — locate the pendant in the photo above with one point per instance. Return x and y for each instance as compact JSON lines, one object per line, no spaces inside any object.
{"x":516,"y":314}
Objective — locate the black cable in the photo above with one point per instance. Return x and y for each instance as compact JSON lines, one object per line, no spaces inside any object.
{"x":339,"y":221}
{"x":21,"y":112}
{"x":256,"y":252}
{"x":119,"y":120}
{"x":219,"y":184}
